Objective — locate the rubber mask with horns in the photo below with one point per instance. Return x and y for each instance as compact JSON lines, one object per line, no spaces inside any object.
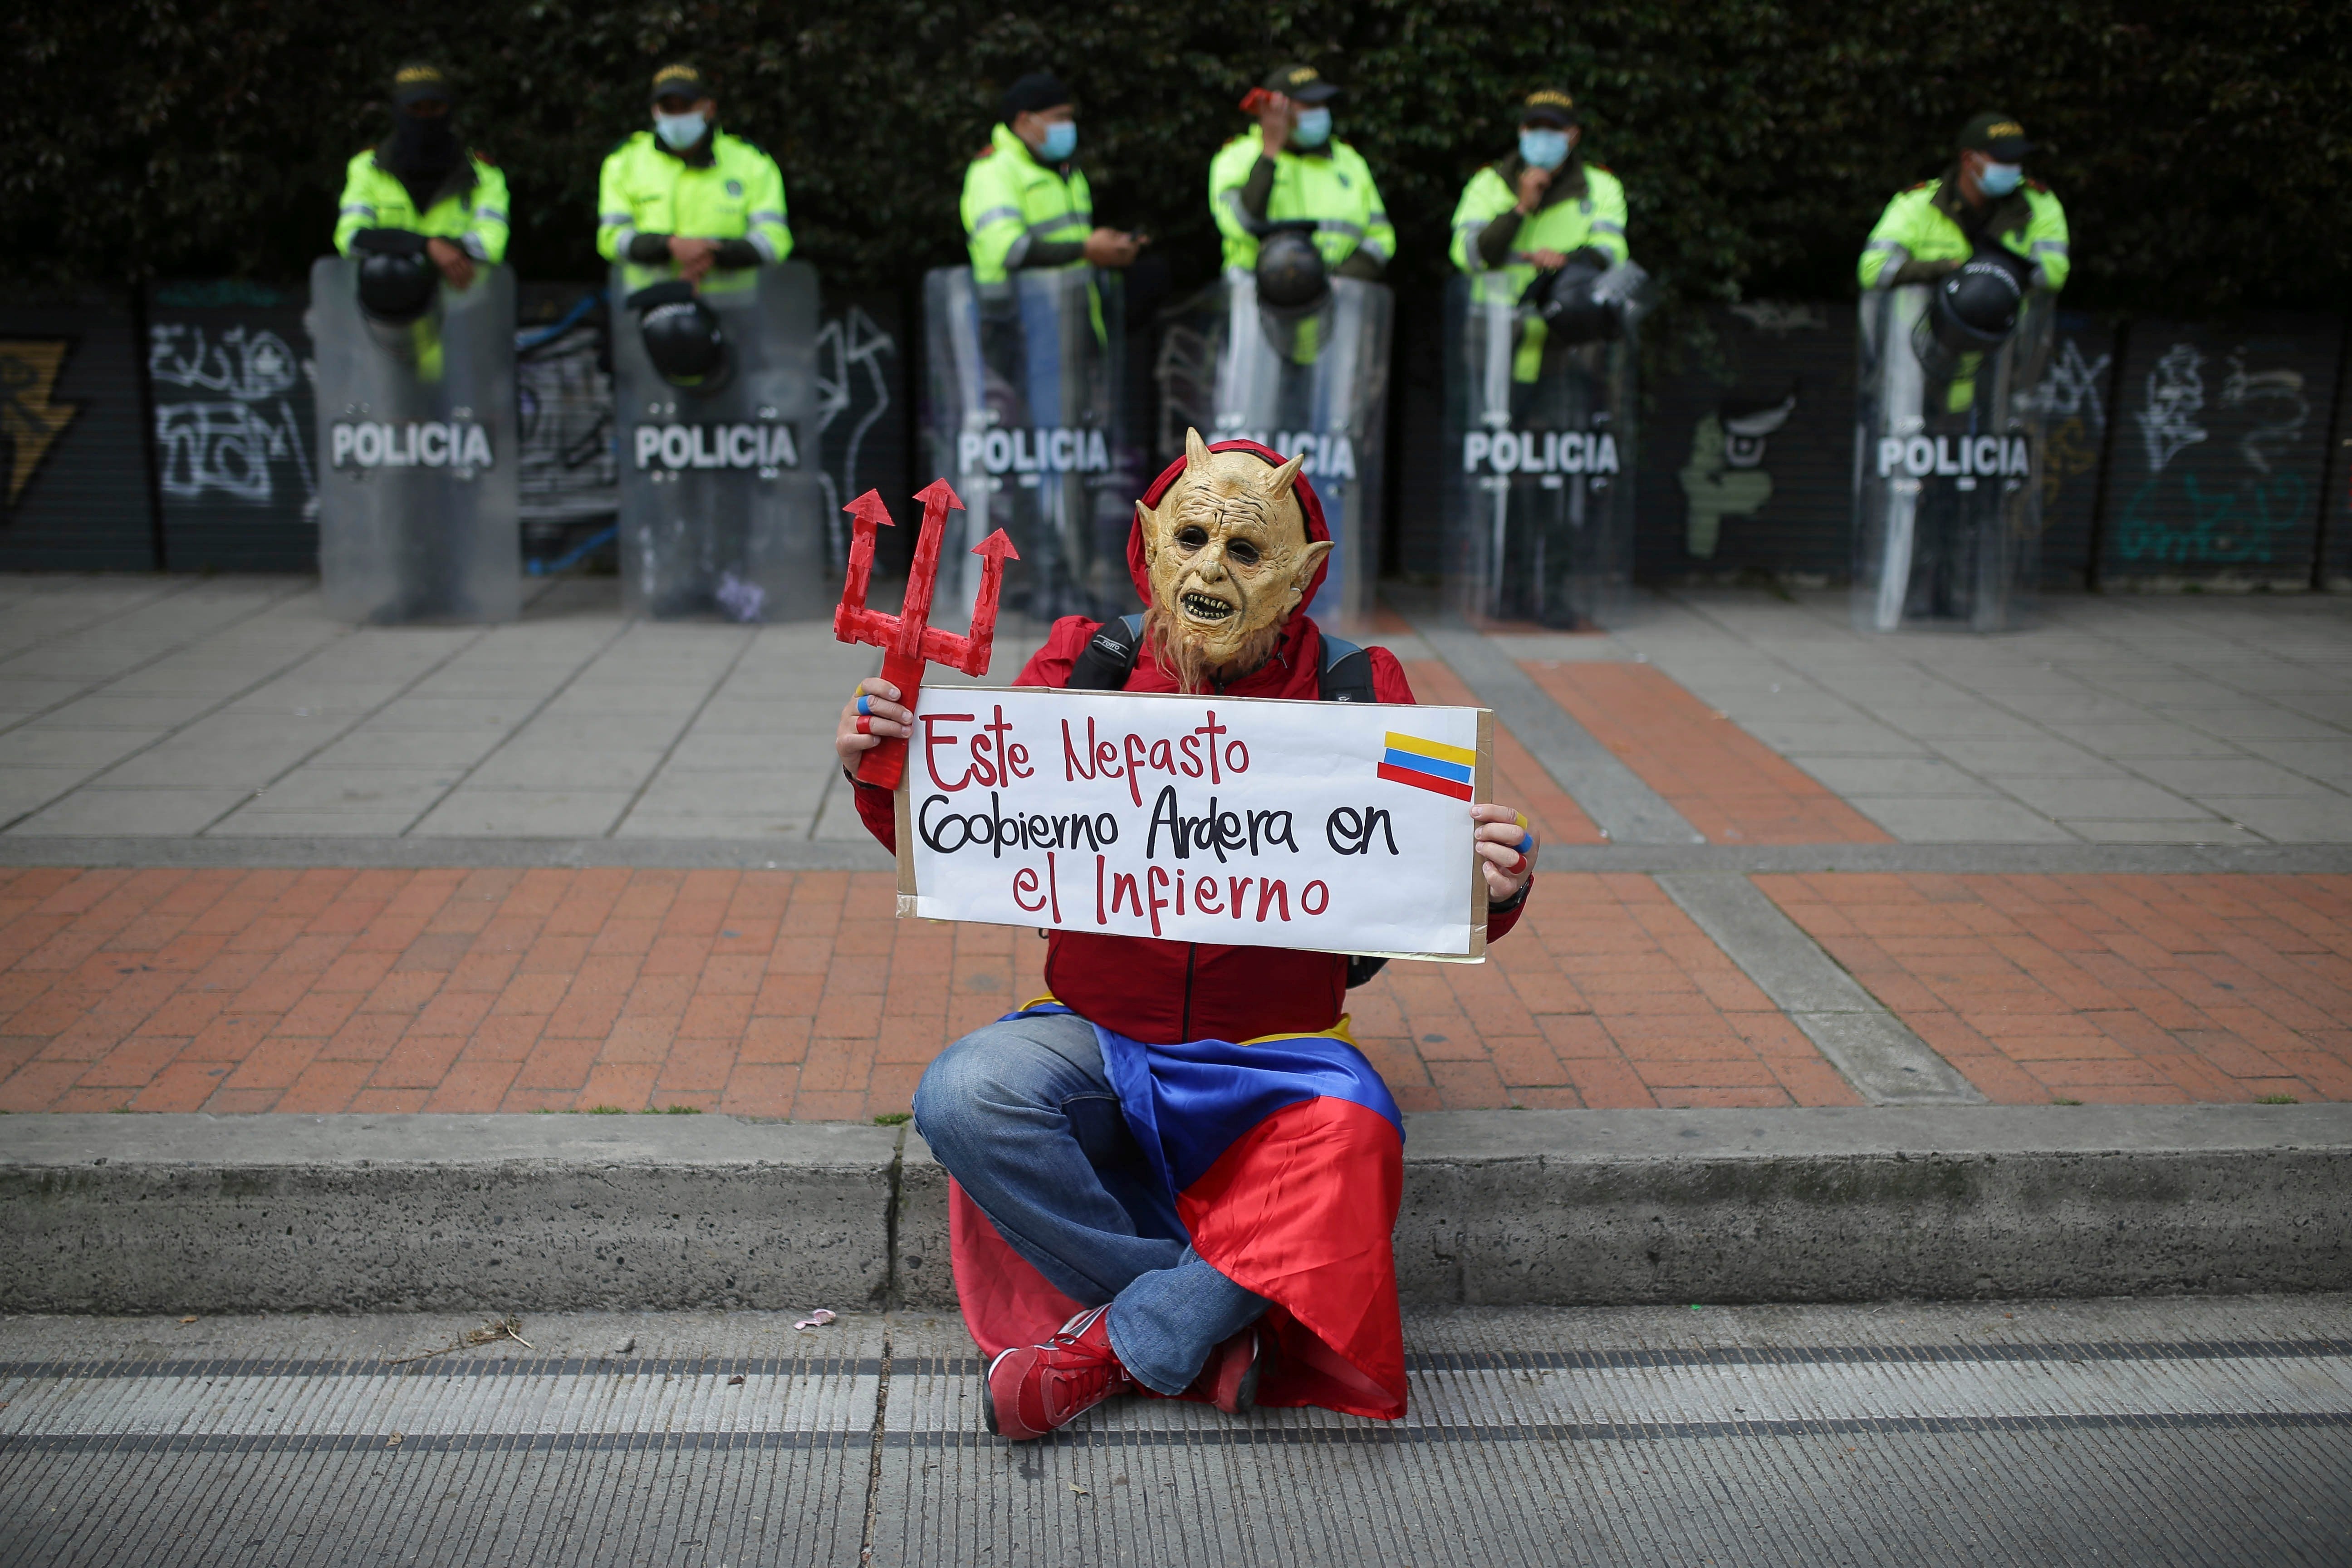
{"x":1229,"y":559}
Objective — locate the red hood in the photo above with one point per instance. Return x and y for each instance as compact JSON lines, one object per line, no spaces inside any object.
{"x":1316,"y":533}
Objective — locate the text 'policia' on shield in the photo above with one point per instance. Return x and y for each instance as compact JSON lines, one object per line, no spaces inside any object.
{"x":1428,"y":764}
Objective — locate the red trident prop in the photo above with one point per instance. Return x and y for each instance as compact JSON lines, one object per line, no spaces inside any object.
{"x":907,"y":638}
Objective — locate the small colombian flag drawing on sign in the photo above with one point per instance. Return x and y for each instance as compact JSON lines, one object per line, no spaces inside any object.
{"x":1429,"y":765}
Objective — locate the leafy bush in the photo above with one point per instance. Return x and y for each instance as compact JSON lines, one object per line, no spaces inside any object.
{"x":2200,"y":146}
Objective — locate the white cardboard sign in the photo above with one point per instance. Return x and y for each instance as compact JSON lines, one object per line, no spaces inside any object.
{"x":1338,"y":826}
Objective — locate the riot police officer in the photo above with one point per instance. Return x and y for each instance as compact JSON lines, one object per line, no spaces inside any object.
{"x":1025,"y":202}
{"x":1544,"y":206}
{"x":422,"y":183}
{"x":1982,"y":198}
{"x":686,"y":199}
{"x":1289,"y":167}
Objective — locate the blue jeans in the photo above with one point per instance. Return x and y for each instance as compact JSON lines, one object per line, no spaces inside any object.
{"x":1024,"y":1116}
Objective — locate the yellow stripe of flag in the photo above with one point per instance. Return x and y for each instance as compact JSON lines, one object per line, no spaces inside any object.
{"x":1437,"y":749}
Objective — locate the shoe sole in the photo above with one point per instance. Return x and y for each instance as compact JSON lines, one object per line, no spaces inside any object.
{"x":988,"y":1393}
{"x":1245,"y":1396}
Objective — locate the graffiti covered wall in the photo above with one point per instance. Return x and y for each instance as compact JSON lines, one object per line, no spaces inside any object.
{"x":229,"y":368}
{"x":73,"y":465}
{"x":2215,"y":471}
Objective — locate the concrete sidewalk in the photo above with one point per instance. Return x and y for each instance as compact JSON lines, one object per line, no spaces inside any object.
{"x":2154,"y":1433}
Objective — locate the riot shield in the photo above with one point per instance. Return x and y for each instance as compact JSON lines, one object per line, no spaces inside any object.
{"x":1313,"y":381}
{"x":722,"y":511}
{"x":417,"y":452}
{"x":1947,"y":452}
{"x":1022,"y":408}
{"x":1538,"y":440}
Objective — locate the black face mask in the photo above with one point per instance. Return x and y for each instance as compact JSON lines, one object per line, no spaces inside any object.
{"x":423,"y":150}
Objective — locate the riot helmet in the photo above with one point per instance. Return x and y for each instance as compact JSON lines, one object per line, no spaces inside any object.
{"x":1290,"y":271}
{"x":681,"y":335}
{"x":1571,"y":306}
{"x":1976,"y":307}
{"x":396,"y":277}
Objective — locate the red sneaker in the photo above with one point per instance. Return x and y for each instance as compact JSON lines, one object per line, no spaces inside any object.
{"x":1229,"y":1377}
{"x":1032,"y":1389}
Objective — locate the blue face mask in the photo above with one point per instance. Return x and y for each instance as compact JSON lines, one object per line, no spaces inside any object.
{"x":680,"y":131}
{"x":1314,"y":128}
{"x":1999,"y":179}
{"x":1061,"y":140}
{"x":1544,"y":149}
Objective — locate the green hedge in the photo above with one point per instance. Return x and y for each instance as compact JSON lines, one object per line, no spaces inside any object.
{"x":2201,"y":147}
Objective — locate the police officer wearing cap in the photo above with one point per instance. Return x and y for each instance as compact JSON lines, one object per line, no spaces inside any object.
{"x":686,"y":199}
{"x":1544,"y":206}
{"x":1289,"y":167}
{"x":1025,"y":202}
{"x":422,"y":185}
{"x":1983,"y":198}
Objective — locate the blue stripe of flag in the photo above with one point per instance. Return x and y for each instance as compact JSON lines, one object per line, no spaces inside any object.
{"x":1414,"y":762}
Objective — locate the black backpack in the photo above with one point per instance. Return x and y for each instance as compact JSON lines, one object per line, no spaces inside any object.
{"x":1104,"y":663}
{"x":1347,"y":677}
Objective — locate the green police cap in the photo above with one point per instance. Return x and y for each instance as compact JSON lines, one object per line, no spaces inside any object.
{"x":1300,"y":84}
{"x":681,"y":80}
{"x":1547,"y":106}
{"x":415,"y":82}
{"x":1998,"y":135}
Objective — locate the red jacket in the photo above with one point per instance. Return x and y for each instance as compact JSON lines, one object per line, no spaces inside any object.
{"x":1162,"y":992}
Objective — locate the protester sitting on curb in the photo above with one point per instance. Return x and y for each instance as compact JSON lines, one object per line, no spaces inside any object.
{"x":1281,"y":1290}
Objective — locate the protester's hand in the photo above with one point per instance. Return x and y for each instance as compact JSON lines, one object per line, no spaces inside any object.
{"x":860,"y":733}
{"x":1547,"y":261}
{"x":1506,"y":845}
{"x":1112,"y":247}
{"x":455,"y":264}
{"x":1274,"y":123}
{"x":1533,"y":184}
{"x":694,"y":257}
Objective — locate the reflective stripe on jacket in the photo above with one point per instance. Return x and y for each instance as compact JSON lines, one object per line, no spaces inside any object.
{"x":646,"y":189}
{"x":1012,"y":202}
{"x":1337,"y":191}
{"x":1595,"y":218}
{"x":1915,"y":227}
{"x":474,"y":215}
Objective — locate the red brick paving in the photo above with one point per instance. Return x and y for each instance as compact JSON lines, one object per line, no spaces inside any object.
{"x":1727,"y":784}
{"x":762,"y":994}
{"x":2104,"y":988}
{"x":1519,"y":780}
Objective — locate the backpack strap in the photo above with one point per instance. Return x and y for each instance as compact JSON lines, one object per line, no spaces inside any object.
{"x":1104,"y":663}
{"x":1346,"y":675}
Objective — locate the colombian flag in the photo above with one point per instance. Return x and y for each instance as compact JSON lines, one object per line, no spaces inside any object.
{"x":1429,"y":765}
{"x":1285,"y":1157}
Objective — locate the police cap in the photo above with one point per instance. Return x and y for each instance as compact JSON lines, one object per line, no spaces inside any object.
{"x":416,"y":82}
{"x":1547,"y":106}
{"x":1997,"y":134}
{"x":1030,"y":93}
{"x":679,"y":79}
{"x":1300,"y":84}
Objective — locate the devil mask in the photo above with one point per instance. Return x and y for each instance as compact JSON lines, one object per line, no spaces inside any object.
{"x":1229,"y":559}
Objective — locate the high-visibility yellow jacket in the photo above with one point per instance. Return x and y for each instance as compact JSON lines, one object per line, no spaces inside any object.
{"x":647,"y":189}
{"x":1012,"y":202}
{"x":1585,"y":205}
{"x":1920,"y":225}
{"x":1332,"y":185}
{"x":470,"y":207}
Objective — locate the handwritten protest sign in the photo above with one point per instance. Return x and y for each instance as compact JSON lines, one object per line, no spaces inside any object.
{"x":1338,"y":826}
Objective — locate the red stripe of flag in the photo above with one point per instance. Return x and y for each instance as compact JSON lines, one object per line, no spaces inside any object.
{"x":1395,"y":774}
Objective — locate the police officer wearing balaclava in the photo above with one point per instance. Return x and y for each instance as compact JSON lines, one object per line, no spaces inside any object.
{"x":422,"y":182}
{"x":1982,"y":198}
{"x":684,"y":199}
